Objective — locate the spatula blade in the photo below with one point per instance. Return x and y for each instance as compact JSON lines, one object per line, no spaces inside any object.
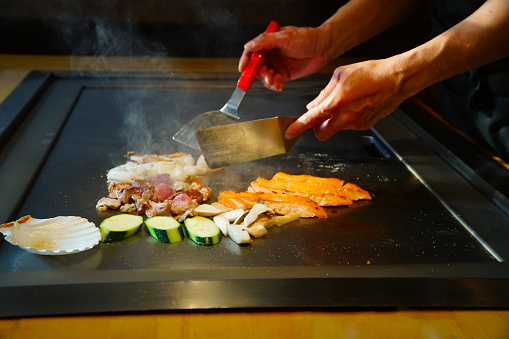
{"x":244,"y":141}
{"x":213,"y":118}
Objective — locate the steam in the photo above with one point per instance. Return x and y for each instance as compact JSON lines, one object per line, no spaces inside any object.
{"x":148,"y":127}
{"x":98,"y":31}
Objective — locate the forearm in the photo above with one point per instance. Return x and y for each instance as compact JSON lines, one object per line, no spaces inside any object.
{"x":476,"y":41}
{"x":359,"y":20}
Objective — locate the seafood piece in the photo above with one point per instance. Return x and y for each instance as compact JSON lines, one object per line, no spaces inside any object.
{"x":204,"y":190}
{"x":324,"y":191}
{"x":104,"y":203}
{"x":280,"y":176}
{"x":164,"y":191}
{"x":54,"y":236}
{"x":355,"y":192}
{"x":127,"y":208}
{"x":179,"y":166}
{"x":279,"y":203}
{"x":159,"y":209}
{"x":321,"y":193}
{"x":182,"y":203}
{"x":145,"y":158}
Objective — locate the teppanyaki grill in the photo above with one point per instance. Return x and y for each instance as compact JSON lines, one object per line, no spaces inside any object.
{"x":431,"y":236}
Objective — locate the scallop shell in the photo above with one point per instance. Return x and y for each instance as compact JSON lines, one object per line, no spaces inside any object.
{"x":54,"y":236}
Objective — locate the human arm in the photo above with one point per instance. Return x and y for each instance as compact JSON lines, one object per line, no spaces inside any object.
{"x":300,"y":51}
{"x":358,"y":95}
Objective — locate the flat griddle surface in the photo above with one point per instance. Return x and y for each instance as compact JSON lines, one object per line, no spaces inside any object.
{"x":404,"y":229}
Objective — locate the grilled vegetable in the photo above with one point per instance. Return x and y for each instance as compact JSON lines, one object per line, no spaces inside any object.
{"x":206,"y":210}
{"x":165,"y":229}
{"x":281,"y":220}
{"x":119,"y":227}
{"x":255,"y":212}
{"x":257,"y":230}
{"x":239,"y":234}
{"x":222,"y":223}
{"x":233,"y":214}
{"x":202,"y":231}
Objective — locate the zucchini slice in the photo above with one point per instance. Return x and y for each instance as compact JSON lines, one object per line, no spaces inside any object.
{"x":203,"y":231}
{"x":119,"y":227}
{"x":165,"y":229}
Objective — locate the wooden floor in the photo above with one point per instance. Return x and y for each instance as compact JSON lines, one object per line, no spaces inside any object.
{"x":398,"y":324}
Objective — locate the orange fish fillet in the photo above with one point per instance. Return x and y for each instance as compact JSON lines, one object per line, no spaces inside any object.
{"x":324,"y":191}
{"x":323,"y":194}
{"x":308,"y":179}
{"x":280,"y":203}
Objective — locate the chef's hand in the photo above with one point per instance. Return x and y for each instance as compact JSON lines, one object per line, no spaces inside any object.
{"x":357,"y":96}
{"x":295,"y":52}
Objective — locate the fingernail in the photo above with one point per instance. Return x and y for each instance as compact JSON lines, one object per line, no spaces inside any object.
{"x":249,"y":45}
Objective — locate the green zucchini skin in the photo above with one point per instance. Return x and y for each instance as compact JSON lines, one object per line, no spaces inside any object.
{"x":213,"y":237}
{"x":206,"y":241}
{"x":165,"y":229}
{"x":113,"y":236}
{"x":132,"y":226}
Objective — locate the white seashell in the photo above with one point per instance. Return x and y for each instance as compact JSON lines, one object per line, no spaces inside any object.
{"x":54,"y":236}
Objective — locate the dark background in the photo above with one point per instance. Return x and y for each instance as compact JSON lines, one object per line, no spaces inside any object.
{"x":198,"y":28}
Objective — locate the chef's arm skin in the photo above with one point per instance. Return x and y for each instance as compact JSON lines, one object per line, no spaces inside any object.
{"x":300,"y":51}
{"x":359,"y":95}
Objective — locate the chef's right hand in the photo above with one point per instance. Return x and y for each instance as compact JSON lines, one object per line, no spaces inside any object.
{"x":294,"y":52}
{"x":357,"y":96}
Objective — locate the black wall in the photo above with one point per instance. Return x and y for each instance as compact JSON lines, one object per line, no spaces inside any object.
{"x":197,"y":28}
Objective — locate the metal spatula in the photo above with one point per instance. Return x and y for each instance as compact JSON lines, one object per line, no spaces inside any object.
{"x":244,"y":141}
{"x":228,"y":114}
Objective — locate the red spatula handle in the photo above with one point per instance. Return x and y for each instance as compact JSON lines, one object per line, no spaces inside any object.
{"x":255,"y":63}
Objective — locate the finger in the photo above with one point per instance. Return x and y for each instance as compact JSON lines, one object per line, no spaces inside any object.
{"x":324,"y":93}
{"x":244,"y":59}
{"x":277,"y":82}
{"x":265,"y":76}
{"x":327,"y":129}
{"x":308,"y":120}
{"x":263,"y":41}
{"x":337,"y":122}
{"x":270,"y":79}
{"x":295,"y":129}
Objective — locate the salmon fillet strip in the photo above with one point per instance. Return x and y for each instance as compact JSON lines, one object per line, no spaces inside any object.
{"x":280,"y":203}
{"x":324,"y":191}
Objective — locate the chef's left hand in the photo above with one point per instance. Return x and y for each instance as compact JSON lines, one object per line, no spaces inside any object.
{"x":357,"y":96}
